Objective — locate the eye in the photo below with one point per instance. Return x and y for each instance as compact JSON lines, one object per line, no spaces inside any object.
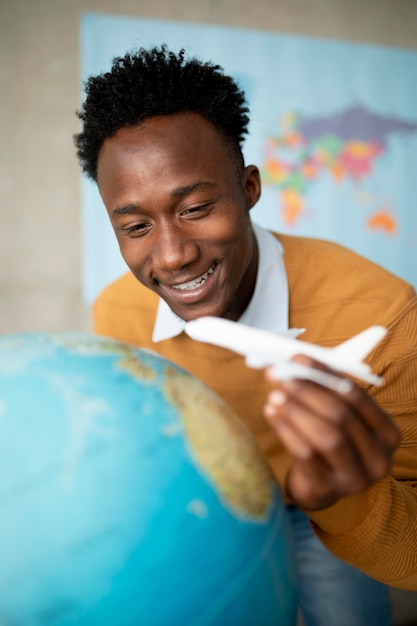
{"x":136,"y":229}
{"x":197,"y":210}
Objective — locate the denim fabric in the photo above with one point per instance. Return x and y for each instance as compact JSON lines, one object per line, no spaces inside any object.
{"x":332,"y":593}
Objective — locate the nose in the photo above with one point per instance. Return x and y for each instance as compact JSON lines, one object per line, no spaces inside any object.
{"x":175,"y":249}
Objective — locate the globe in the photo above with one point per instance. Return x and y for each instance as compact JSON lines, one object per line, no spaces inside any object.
{"x":131,"y":495}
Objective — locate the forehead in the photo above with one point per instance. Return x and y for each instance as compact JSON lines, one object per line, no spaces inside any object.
{"x":144,"y":165}
{"x":185,"y":138}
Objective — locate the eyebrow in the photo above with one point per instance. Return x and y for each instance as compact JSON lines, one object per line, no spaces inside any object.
{"x":199,"y":185}
{"x":124,"y":210}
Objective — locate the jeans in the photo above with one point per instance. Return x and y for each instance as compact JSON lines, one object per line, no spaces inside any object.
{"x":331,"y":592}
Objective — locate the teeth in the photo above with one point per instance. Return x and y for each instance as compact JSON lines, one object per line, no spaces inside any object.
{"x":193,"y":284}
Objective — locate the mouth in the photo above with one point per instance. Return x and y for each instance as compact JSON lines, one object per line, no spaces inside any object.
{"x":196,"y":282}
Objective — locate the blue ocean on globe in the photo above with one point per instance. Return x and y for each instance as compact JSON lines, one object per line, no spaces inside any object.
{"x":131,"y":495}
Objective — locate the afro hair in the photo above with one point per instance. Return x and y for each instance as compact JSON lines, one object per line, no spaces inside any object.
{"x":155,"y":82}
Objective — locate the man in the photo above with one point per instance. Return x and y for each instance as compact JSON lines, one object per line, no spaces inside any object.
{"x":162,"y":138}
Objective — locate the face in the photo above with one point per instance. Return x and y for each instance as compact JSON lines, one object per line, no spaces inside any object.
{"x":179,"y":206}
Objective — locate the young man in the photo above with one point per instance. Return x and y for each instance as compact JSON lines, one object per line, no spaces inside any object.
{"x":162,"y":138}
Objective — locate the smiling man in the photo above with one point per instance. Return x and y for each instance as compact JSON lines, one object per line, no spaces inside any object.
{"x":162,"y":137}
{"x":179,"y":203}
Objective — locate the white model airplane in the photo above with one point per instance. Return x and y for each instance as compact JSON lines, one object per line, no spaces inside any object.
{"x":263,"y":349}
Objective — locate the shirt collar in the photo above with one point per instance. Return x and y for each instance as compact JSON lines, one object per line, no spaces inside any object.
{"x":268,"y":308}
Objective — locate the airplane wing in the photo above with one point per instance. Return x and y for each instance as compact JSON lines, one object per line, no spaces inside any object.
{"x":289,"y":370}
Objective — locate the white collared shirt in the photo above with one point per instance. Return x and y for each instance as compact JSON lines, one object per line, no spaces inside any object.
{"x":268,"y":308}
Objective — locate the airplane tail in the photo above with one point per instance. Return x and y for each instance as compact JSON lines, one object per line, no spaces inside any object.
{"x":358,"y":347}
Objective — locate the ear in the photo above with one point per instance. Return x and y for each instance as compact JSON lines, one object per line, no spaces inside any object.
{"x":252,"y":185}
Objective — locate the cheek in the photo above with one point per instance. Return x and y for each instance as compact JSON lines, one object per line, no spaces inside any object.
{"x":133,"y":254}
{"x":240,"y":238}
{"x":232,"y":228}
{"x":231,"y":240}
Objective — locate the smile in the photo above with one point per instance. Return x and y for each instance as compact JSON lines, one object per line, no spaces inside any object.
{"x":197,"y":282}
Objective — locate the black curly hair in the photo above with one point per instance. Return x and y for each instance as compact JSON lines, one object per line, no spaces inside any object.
{"x":156,"y":82}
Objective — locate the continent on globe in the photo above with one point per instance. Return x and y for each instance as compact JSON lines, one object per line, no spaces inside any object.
{"x":131,"y":494}
{"x":345,"y":145}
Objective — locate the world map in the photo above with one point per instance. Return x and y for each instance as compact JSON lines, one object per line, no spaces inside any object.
{"x":345,"y":145}
{"x":336,"y":149}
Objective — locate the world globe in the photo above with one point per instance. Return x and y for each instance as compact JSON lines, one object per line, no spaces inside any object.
{"x":131,"y":495}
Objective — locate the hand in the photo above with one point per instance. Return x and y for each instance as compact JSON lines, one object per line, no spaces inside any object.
{"x":341,"y":443}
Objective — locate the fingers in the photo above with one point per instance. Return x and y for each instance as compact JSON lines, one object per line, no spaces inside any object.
{"x":309,"y":484}
{"x":345,"y":438}
{"x":309,"y":424}
{"x":375,"y":418}
{"x":335,"y":406}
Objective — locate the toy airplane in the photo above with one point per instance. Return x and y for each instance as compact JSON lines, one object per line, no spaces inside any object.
{"x":263,"y":349}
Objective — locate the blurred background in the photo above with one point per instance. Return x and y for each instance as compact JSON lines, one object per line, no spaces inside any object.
{"x":40,"y":185}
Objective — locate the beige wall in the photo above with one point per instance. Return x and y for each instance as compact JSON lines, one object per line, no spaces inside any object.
{"x":39,"y":78}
